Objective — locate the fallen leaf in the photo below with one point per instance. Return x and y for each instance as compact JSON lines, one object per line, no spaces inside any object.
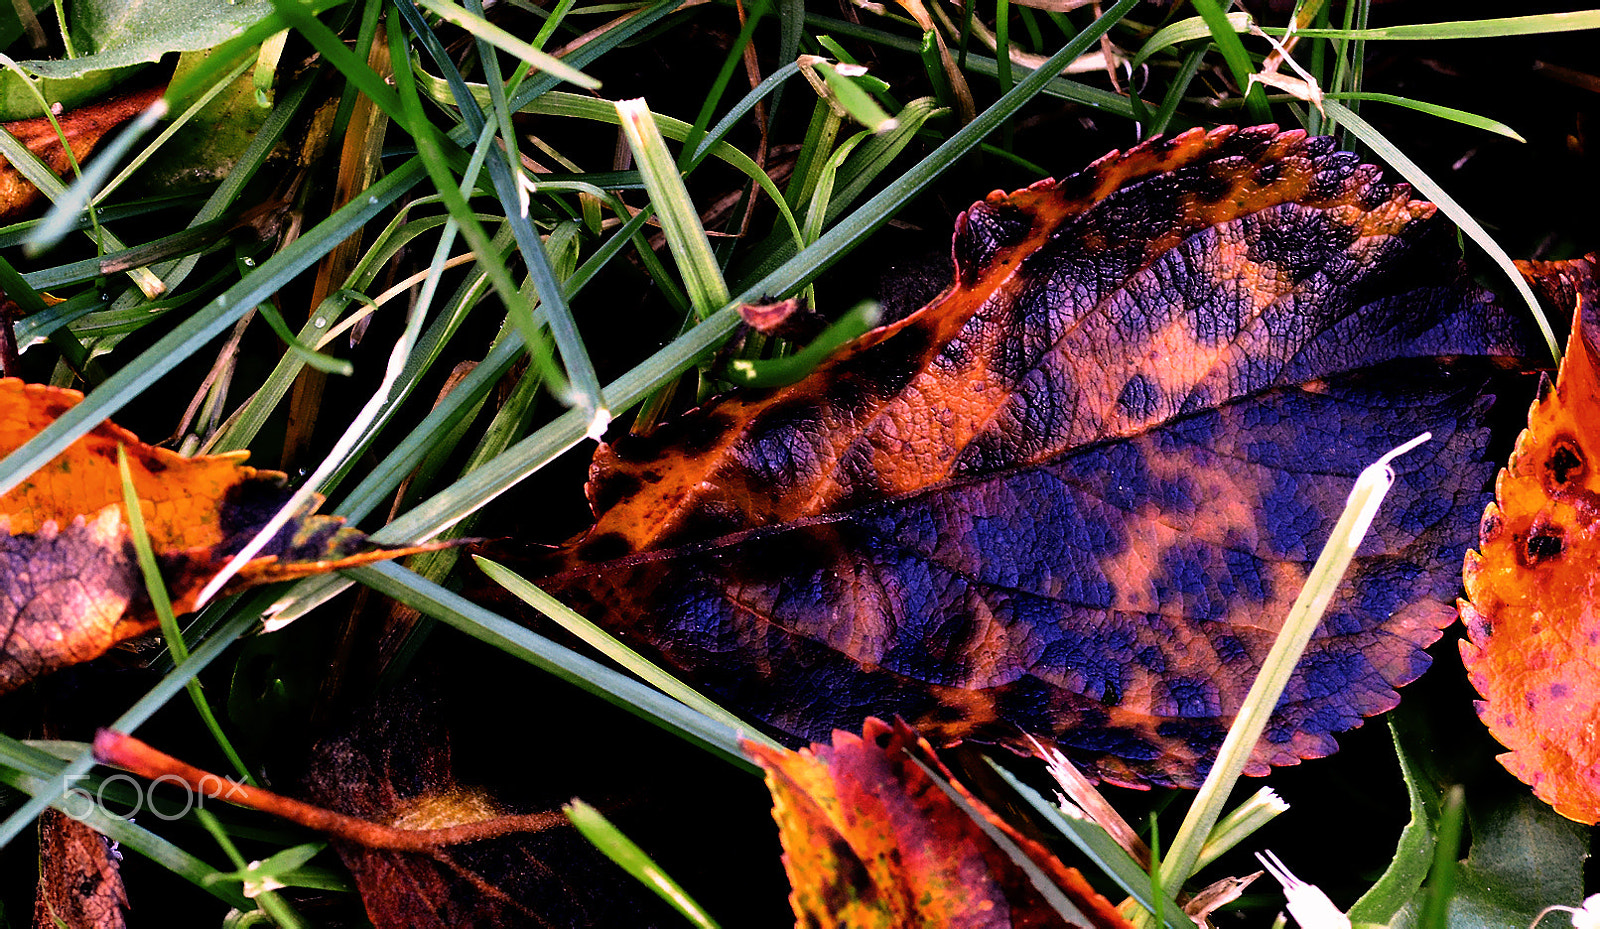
{"x":1077,"y":492}
{"x":83,"y":127}
{"x":870,"y":839}
{"x":1533,"y":586}
{"x":80,"y":878}
{"x":393,"y":765}
{"x":70,"y":587}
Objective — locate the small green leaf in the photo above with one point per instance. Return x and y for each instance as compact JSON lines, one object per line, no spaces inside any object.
{"x":1403,"y":878}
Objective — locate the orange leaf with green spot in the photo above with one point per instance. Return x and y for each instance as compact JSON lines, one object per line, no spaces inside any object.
{"x":1533,"y":586}
{"x":1077,"y":492}
{"x":70,"y":586}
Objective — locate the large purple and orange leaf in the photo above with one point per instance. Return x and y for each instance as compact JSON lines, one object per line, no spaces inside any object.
{"x":871,"y":840}
{"x":1533,"y":586}
{"x":70,"y":586}
{"x":1077,"y":492}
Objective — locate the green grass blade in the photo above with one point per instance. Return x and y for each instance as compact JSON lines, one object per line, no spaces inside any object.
{"x":494,"y":35}
{"x":1237,"y":58}
{"x":616,"y":688}
{"x":1409,"y":868}
{"x":586,"y":393}
{"x":608,"y":645}
{"x":1304,"y":616}
{"x":1539,"y":24}
{"x":1426,"y":186}
{"x":632,"y":859}
{"x":1434,"y":109}
{"x":1186,"y":30}
{"x":1103,"y":851}
{"x":1446,"y":863}
{"x":193,"y":334}
{"x":702,"y":277}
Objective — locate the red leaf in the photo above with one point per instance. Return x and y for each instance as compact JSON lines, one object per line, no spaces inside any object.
{"x":1077,"y":492}
{"x":870,"y":840}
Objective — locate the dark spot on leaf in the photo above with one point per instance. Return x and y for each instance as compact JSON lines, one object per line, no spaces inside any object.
{"x":885,"y":368}
{"x":1140,"y":397}
{"x":702,"y":431}
{"x":1543,"y":548}
{"x":1564,"y":460}
{"x":603,"y":547}
{"x":612,"y":487}
{"x":985,"y":230}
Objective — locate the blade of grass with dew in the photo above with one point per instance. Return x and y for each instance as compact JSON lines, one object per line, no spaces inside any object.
{"x":1103,"y":851}
{"x":615,"y":688}
{"x":162,"y":604}
{"x":608,"y":645}
{"x":1425,"y":185}
{"x":1185,"y":30}
{"x":632,"y":859}
{"x":1434,"y":109}
{"x":533,"y":453}
{"x":679,"y":219}
{"x":1304,"y":616}
{"x":243,"y":615}
{"x":308,"y":355}
{"x":505,"y":41}
{"x":195,"y":332}
{"x":1538,"y":24}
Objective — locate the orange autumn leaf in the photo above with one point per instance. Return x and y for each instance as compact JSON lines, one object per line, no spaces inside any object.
{"x":870,"y":839}
{"x":70,"y":586}
{"x":1533,"y":587}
